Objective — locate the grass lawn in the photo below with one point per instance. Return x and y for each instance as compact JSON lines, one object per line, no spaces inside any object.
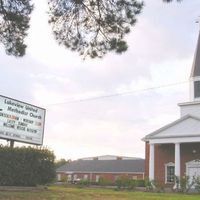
{"x":64,"y":193}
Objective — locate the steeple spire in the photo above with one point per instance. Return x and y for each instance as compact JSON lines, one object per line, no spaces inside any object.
{"x":196,"y":62}
{"x":195,"y":73}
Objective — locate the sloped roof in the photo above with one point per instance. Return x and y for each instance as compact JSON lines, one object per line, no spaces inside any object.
{"x":110,"y":157}
{"x":196,"y":62}
{"x":187,"y":126}
{"x":105,"y":166}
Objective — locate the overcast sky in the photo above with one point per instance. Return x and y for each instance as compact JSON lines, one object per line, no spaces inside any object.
{"x":161,"y":50}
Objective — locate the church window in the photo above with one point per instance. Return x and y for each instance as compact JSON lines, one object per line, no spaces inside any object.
{"x":196,"y":89}
{"x":169,"y":173}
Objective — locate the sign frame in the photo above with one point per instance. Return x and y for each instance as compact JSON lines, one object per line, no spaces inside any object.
{"x":32,"y":105}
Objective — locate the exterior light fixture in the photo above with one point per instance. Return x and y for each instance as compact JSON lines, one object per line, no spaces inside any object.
{"x":194,"y":151}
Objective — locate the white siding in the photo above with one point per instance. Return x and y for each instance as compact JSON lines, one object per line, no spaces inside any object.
{"x":191,"y":109}
{"x":187,"y":127}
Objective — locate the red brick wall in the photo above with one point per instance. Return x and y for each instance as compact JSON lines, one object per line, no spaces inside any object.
{"x":108,"y":176}
{"x":112,"y":177}
{"x":165,"y":153}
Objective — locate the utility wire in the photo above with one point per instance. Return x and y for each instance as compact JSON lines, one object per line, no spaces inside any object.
{"x":117,"y":94}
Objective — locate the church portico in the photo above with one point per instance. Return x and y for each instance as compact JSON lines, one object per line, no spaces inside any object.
{"x":170,"y":160}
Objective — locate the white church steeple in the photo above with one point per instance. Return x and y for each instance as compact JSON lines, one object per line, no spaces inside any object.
{"x":193,"y":107}
{"x":195,"y":74}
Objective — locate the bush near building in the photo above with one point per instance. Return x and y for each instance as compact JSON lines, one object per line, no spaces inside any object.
{"x":125,"y":182}
{"x":26,"y":166}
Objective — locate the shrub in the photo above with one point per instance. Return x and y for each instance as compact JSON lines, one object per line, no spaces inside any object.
{"x":84,"y":182}
{"x":149,"y":185}
{"x":63,"y":179}
{"x":158,"y":187}
{"x":122,"y":182}
{"x":26,"y":166}
{"x":184,"y":183}
{"x":104,"y":182}
{"x":125,"y":182}
{"x":132,"y":184}
{"x":140,"y":183}
{"x":197,"y":186}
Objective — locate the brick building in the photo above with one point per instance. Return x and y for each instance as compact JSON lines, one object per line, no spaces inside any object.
{"x":174,"y":150}
{"x":109,"y":168}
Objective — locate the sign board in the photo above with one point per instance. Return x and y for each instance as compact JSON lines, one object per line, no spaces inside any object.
{"x":21,"y":122}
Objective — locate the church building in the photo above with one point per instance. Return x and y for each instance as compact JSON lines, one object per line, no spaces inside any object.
{"x":174,"y":150}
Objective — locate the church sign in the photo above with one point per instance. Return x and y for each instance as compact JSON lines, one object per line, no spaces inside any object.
{"x":20,"y":121}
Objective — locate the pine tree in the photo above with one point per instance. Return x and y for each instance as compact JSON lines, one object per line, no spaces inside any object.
{"x":93,"y":27}
{"x":14,"y":23}
{"x":90,"y":27}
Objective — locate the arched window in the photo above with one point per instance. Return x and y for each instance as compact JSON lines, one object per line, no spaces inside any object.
{"x":169,"y":172}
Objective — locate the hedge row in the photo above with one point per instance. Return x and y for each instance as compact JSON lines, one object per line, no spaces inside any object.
{"x":121,"y":183}
{"x":26,"y":166}
{"x":127,"y":183}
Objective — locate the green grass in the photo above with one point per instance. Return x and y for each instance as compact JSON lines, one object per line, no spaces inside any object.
{"x":66,"y":193}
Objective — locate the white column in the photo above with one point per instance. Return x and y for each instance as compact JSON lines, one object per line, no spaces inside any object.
{"x":177,"y":163}
{"x":177,"y":160}
{"x":151,"y":162}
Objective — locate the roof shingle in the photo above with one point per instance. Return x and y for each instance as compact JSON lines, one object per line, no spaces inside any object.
{"x":103,"y":166}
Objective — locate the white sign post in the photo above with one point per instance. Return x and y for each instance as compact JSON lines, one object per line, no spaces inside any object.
{"x":21,"y":122}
